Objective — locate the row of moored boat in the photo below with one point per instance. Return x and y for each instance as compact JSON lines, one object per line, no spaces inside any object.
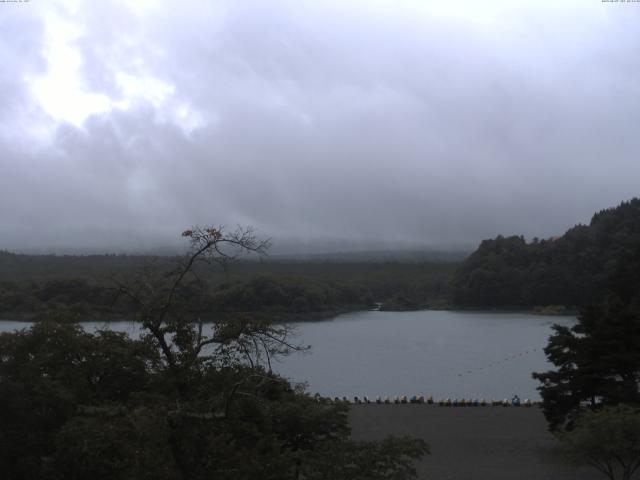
{"x":448,"y":402}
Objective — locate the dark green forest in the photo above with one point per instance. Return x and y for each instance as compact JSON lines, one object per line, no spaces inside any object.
{"x":571,"y":270}
{"x":32,"y":285}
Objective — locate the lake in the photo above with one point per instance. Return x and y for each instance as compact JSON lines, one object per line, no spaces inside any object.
{"x":439,"y":353}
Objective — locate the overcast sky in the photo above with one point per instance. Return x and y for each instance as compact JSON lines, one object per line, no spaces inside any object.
{"x":360,"y":124}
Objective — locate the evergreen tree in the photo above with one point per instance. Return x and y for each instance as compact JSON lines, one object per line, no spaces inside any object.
{"x":570,"y":270}
{"x":598,"y":359}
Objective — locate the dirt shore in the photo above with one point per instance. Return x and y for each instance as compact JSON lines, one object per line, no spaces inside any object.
{"x":472,"y":443}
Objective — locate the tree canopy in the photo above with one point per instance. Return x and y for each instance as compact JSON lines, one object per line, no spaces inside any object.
{"x":608,"y":440}
{"x":572,"y":269}
{"x":597,"y":359}
{"x":183,"y":401}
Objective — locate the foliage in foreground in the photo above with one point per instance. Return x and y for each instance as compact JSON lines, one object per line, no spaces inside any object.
{"x":103,"y":406}
{"x":181,"y":402}
{"x":608,"y":440}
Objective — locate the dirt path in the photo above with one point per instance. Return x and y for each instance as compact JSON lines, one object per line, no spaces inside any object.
{"x":472,"y":443}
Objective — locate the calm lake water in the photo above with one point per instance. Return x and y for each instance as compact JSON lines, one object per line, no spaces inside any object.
{"x":439,"y":353}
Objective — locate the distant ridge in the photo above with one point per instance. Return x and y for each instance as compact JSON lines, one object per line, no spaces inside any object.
{"x":401,"y":256}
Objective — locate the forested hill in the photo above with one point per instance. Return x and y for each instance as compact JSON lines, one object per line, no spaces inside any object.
{"x":571,"y":270}
{"x":32,"y":286}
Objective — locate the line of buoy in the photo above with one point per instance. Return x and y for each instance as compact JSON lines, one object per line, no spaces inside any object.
{"x":499,"y":363}
{"x":421,"y":399}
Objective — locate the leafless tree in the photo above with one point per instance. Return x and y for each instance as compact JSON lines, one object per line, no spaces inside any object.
{"x":180,"y":337}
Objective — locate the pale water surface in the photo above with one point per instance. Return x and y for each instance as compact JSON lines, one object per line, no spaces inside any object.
{"x":439,"y":353}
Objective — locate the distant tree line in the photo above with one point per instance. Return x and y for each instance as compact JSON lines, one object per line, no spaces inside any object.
{"x":571,"y":270}
{"x":286,"y":289}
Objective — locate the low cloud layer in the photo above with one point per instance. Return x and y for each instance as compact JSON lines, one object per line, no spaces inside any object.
{"x":377,"y":124}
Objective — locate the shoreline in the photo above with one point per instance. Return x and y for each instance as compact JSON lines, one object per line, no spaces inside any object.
{"x":30,"y":317}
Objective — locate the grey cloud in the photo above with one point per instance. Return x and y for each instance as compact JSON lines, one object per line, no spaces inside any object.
{"x":331,"y":122}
